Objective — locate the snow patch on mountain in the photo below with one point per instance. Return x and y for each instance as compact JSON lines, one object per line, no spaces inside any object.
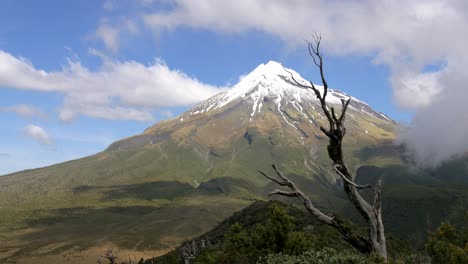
{"x":271,"y":81}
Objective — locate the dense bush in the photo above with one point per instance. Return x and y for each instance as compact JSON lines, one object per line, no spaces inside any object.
{"x":333,"y":256}
{"x":448,"y":245}
{"x":244,"y":245}
{"x":324,"y":256}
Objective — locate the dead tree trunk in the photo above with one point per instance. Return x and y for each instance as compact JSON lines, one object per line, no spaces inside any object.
{"x":375,"y":242}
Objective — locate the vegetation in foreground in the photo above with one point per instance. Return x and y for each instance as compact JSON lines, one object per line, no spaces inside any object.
{"x":273,"y":233}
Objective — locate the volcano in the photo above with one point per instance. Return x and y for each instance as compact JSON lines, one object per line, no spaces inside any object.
{"x":180,"y":177}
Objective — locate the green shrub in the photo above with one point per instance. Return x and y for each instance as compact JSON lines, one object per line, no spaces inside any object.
{"x":447,"y":245}
{"x":246,"y":245}
{"x":412,"y":259}
{"x":324,"y":256}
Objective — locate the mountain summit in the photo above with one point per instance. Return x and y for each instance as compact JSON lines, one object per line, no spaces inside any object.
{"x":266,"y":94}
{"x":271,"y":81}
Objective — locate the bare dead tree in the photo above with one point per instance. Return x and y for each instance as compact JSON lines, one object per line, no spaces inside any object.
{"x":375,"y":241}
{"x":109,"y":255}
{"x":189,"y":250}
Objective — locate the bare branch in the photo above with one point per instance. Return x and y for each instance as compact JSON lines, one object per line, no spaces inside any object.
{"x":316,"y":91}
{"x":284,"y":193}
{"x":296,"y":192}
{"x":317,"y":39}
{"x":312,"y":86}
{"x":322,"y":75}
{"x":280,"y":174}
{"x":335,"y":118}
{"x":282,"y":183}
{"x":312,"y":53}
{"x":344,"y":104}
{"x":348,"y":234}
{"x":325,"y":131}
{"x":317,"y":57}
{"x":294,"y":79}
{"x":335,"y":168}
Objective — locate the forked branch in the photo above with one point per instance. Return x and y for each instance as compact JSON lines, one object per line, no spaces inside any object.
{"x":348,"y":234}
{"x":314,"y":52}
{"x":344,"y":104}
{"x":296,"y":192}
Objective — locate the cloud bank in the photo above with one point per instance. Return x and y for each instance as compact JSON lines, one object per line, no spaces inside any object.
{"x":117,"y":91}
{"x":423,"y":43}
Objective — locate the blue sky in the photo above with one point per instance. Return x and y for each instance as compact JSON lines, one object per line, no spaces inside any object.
{"x":78,"y":75}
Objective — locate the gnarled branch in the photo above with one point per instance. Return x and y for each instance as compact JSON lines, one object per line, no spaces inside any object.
{"x":296,"y":192}
{"x":348,"y":234}
{"x":335,"y":168}
{"x":282,"y":183}
{"x":344,"y":104}
{"x":284,"y":193}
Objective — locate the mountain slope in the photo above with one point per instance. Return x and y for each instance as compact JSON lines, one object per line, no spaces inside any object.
{"x":265,"y":112}
{"x":181,"y":176}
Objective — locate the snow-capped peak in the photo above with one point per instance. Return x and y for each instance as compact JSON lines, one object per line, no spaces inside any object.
{"x":273,"y":82}
{"x":271,"y":68}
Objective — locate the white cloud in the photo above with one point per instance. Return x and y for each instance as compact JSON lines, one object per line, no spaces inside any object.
{"x":117,"y":91}
{"x":438,"y":130}
{"x":111,"y":32}
{"x":38,"y":134}
{"x":408,"y":36}
{"x":25,"y":110}
{"x":415,"y":30}
{"x":110,"y":113}
{"x":416,"y":90}
{"x":109,"y":36}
